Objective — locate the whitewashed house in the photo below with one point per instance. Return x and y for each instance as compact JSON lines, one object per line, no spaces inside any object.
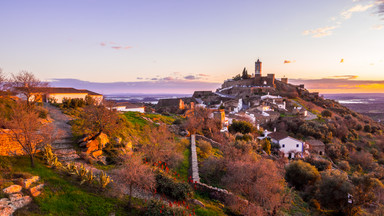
{"x":128,"y":107}
{"x":288,"y":145}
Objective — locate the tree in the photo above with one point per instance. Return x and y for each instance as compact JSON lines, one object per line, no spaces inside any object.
{"x":158,"y":144}
{"x":27,"y":129}
{"x":301,"y":174}
{"x":243,"y":127}
{"x":237,"y":77}
{"x":245,"y":74}
{"x":132,"y":172}
{"x":97,"y":119}
{"x":29,"y":86}
{"x":334,"y":190}
{"x":260,"y":182}
{"x":267,"y":146}
{"x":3,"y":81}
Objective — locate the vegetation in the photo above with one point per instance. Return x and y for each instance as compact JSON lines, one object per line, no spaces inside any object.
{"x":243,"y":127}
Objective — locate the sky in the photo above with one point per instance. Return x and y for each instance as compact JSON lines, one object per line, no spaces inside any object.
{"x":153,"y":46}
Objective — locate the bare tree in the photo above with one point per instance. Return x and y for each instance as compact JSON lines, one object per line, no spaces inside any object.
{"x":158,"y":144}
{"x":134,"y":173}
{"x":98,"y":119}
{"x":29,"y":86}
{"x":260,"y":182}
{"x":27,"y":130}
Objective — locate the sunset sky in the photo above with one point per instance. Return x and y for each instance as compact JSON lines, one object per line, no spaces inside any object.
{"x":179,"y":45}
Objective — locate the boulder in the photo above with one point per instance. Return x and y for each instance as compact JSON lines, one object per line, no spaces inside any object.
{"x":15,"y":196}
{"x":198,"y":202}
{"x":36,"y":191}
{"x":23,"y":201}
{"x":12,"y":189}
{"x":103,"y":140}
{"x":97,"y":153}
{"x":92,"y":145}
{"x":27,"y":182}
{"x":6,"y":210}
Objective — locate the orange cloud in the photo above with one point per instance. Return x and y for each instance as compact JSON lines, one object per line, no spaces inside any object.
{"x":320,"y":32}
{"x":288,"y":61}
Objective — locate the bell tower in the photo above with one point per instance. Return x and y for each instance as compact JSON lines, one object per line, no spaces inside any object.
{"x":258,"y":64}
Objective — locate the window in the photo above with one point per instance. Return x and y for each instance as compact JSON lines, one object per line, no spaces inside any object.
{"x":297,"y":145}
{"x":283,"y":146}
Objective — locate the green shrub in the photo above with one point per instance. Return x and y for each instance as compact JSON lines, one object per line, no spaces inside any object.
{"x":171,"y":188}
{"x":245,"y":137}
{"x":326,"y":113}
{"x":320,"y":164}
{"x":43,"y":114}
{"x":156,"y":207}
{"x":301,"y":174}
{"x":243,"y":127}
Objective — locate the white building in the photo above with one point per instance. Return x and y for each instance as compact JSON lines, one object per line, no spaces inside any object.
{"x":128,"y":107}
{"x":288,"y":145}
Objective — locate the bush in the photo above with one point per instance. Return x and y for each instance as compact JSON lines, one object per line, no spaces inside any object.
{"x":172,"y":189}
{"x":245,"y":137}
{"x":326,"y":113}
{"x":320,"y":164}
{"x":344,"y":165}
{"x":301,"y":174}
{"x":243,"y":127}
{"x":156,"y":207}
{"x":367,"y":128}
{"x":204,"y":149}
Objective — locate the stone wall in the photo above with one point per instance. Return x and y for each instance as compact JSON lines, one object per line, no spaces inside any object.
{"x":213,"y":192}
{"x":212,"y":142}
{"x":8,"y":146}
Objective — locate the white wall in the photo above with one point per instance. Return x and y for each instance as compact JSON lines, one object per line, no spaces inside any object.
{"x":290,"y":145}
{"x":59,"y":97}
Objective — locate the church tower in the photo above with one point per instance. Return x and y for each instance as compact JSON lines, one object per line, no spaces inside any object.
{"x":258,"y":67}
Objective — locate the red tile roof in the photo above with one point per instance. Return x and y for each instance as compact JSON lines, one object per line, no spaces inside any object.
{"x":278,"y":135}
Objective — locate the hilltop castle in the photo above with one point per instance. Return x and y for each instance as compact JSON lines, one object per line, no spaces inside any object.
{"x":256,"y":80}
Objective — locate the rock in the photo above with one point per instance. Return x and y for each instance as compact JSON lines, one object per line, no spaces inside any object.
{"x":15,"y":196}
{"x":27,"y":182}
{"x":103,"y":140}
{"x":12,"y":189}
{"x":36,"y":191}
{"x":198,"y":202}
{"x":6,"y":210}
{"x":23,"y":201}
{"x":102,"y":160}
{"x":92,"y":145}
{"x":97,"y":153}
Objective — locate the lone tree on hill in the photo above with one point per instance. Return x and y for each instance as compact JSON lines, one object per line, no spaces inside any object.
{"x":26,"y":84}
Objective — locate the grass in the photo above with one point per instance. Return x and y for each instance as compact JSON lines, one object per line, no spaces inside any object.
{"x":62,"y":197}
{"x":212,"y":207}
{"x":183,"y":169}
{"x":137,"y":118}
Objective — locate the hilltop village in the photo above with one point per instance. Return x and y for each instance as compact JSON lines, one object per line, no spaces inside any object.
{"x":258,"y":99}
{"x":256,"y":146}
